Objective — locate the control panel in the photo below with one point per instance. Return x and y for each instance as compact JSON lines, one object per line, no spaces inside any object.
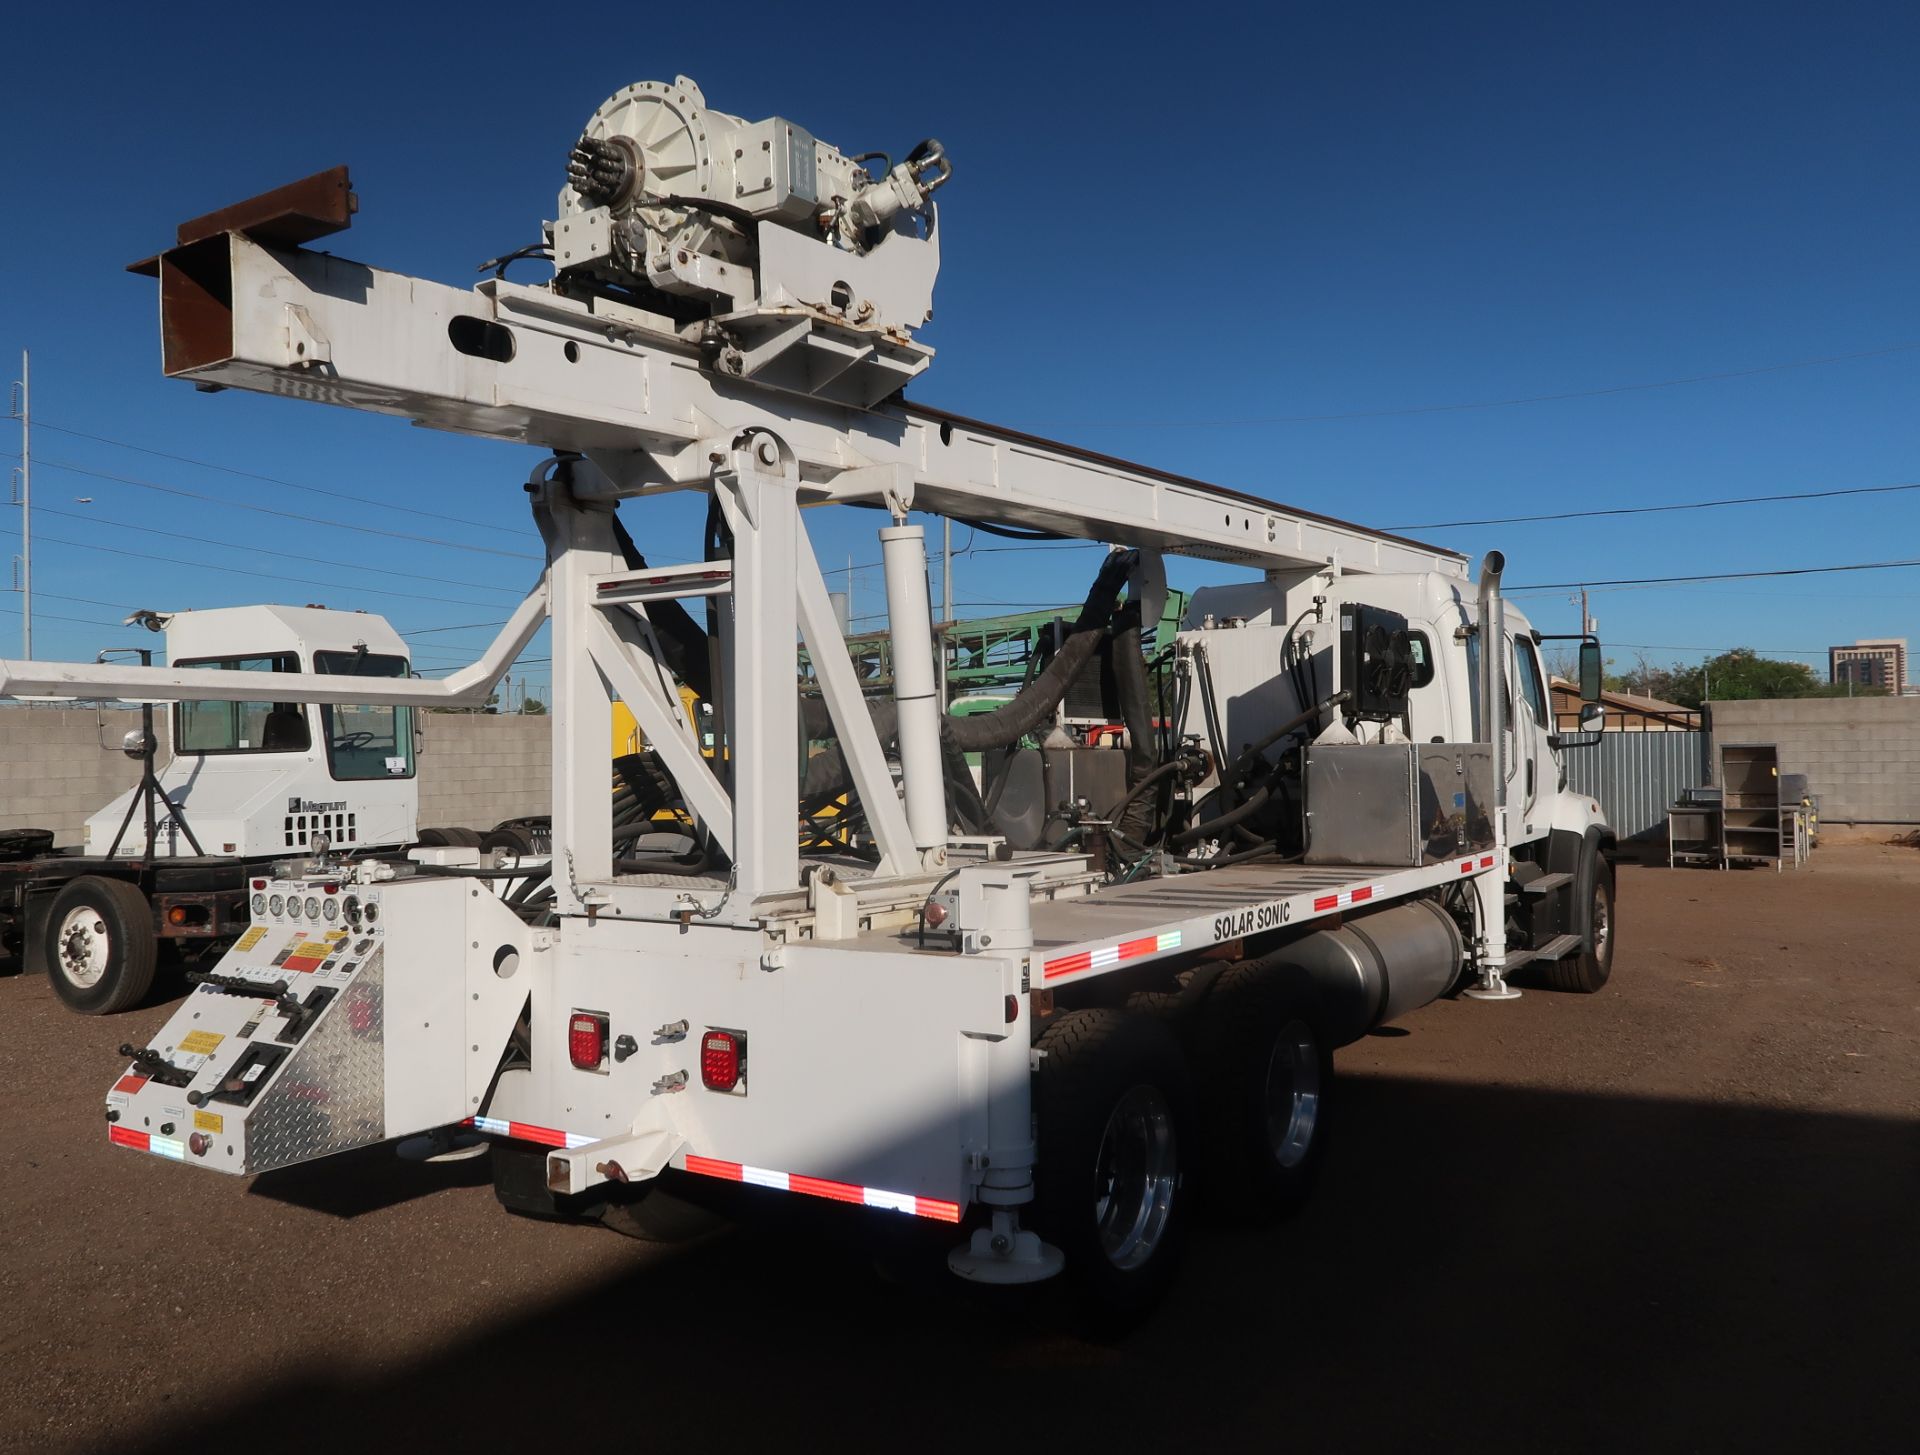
{"x":277,"y":1054}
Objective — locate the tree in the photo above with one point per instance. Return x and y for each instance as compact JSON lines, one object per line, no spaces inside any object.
{"x":1742,"y":674}
{"x":533,"y":707}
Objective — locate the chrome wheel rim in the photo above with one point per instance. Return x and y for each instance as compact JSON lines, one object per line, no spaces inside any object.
{"x":1134,"y":1178}
{"x":1602,"y":925}
{"x":1293,"y":1094}
{"x":84,"y":947}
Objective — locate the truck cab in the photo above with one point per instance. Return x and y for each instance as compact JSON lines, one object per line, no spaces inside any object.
{"x":255,"y":779}
{"x":1560,"y":887}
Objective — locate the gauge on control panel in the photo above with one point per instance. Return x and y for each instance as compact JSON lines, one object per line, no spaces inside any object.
{"x":372,"y":911}
{"x":352,"y":909}
{"x":293,"y":906}
{"x":259,"y":904}
{"x":276,"y":904}
{"x":331,"y":908}
{"x":313,"y":907}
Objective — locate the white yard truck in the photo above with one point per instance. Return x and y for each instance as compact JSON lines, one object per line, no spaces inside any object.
{"x":1354,"y":804}
{"x":245,"y":784}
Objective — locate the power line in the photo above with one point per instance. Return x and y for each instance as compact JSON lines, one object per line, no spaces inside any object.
{"x":1723,"y":576}
{"x":1490,"y":403}
{"x":264,"y":550}
{"x":1779,"y":651}
{"x":398,"y":535}
{"x":241,"y":571}
{"x":1661,"y":509}
{"x":267,"y":479}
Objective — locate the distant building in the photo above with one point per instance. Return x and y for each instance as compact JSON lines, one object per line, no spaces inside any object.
{"x":1627,"y":712}
{"x":1881,"y":662}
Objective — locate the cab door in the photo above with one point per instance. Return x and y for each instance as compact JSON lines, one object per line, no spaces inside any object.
{"x":1532,"y":769}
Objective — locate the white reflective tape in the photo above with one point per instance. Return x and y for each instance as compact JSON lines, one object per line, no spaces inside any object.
{"x":1170,"y":940}
{"x":761,"y":1177}
{"x":491,"y":1124}
{"x":894,"y":1201}
{"x":1110,"y":955}
{"x":167,"y":1148}
{"x":574,"y":1139}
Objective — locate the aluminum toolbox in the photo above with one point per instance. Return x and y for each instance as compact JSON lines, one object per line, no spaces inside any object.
{"x":1398,"y":803}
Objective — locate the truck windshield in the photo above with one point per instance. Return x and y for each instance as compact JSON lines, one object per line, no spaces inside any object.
{"x":242,"y":727}
{"x":374,"y":741}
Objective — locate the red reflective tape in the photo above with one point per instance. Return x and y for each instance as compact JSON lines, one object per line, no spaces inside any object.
{"x":1139,"y":947}
{"x":932,"y":1207}
{"x":1327,"y":901}
{"x":1487,"y":863}
{"x":130,"y":1083}
{"x":1467,"y":868}
{"x":820,"y":1187}
{"x":1363,"y":894}
{"x":546,"y":1136}
{"x":127,"y":1137}
{"x":1068,"y":964}
{"x":712,"y":1167}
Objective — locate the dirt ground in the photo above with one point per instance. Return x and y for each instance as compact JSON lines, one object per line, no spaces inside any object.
{"x":1680,"y":1215}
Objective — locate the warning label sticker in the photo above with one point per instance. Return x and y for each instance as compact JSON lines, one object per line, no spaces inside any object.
{"x":208,"y":1121}
{"x":251,"y":938}
{"x":201,"y":1043}
{"x":307,"y":956}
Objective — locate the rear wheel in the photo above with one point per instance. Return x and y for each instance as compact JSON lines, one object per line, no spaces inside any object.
{"x":1266,"y":1094}
{"x":1590,"y":969}
{"x":1115,"y":1118}
{"x":101,"y":948}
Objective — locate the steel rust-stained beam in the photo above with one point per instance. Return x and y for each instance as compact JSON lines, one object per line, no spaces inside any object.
{"x":196,"y":284}
{"x":287,"y":216}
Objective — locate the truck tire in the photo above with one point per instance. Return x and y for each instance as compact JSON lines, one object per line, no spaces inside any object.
{"x":1115,"y":1112}
{"x":1588,"y":971}
{"x":101,"y":948}
{"x":1266,"y":1094}
{"x":513,"y":840}
{"x":448,"y":838}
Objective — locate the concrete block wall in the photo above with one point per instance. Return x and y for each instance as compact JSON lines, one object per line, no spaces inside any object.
{"x":1861,"y":755}
{"x":475,"y":770}
{"x":54,"y":771}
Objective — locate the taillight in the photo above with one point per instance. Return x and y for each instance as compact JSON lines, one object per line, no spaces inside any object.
{"x":721,"y":1055}
{"x":587,"y":1040}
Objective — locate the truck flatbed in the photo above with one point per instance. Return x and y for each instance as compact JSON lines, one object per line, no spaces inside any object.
{"x":1076,"y":937}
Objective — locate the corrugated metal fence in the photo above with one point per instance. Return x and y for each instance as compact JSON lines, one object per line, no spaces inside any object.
{"x":1637,"y":775}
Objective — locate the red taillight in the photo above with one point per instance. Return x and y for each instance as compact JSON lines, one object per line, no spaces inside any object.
{"x":259,"y":884}
{"x":720,"y":1056}
{"x":587,"y":1040}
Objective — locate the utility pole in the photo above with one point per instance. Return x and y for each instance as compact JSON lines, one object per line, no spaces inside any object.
{"x":23,"y":497}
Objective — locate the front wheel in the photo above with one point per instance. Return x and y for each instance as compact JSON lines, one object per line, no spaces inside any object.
{"x":101,"y":948}
{"x":1115,"y":1121}
{"x":1589,"y":970}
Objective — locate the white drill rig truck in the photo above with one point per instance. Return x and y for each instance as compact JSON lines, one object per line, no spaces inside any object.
{"x":169,"y":862}
{"x":1354,"y":804}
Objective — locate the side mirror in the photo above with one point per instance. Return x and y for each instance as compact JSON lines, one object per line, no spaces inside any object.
{"x":1593,"y":718}
{"x":1591,"y":670}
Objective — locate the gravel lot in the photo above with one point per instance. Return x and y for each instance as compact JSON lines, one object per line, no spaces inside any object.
{"x":1683,"y":1214}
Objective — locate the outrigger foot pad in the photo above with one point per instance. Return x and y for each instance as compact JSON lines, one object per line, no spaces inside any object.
{"x":1006,"y":1253}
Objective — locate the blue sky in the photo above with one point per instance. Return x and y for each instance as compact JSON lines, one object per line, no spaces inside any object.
{"x":1163,"y":225}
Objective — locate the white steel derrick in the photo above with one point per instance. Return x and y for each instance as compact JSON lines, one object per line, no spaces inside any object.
{"x":525,"y":364}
